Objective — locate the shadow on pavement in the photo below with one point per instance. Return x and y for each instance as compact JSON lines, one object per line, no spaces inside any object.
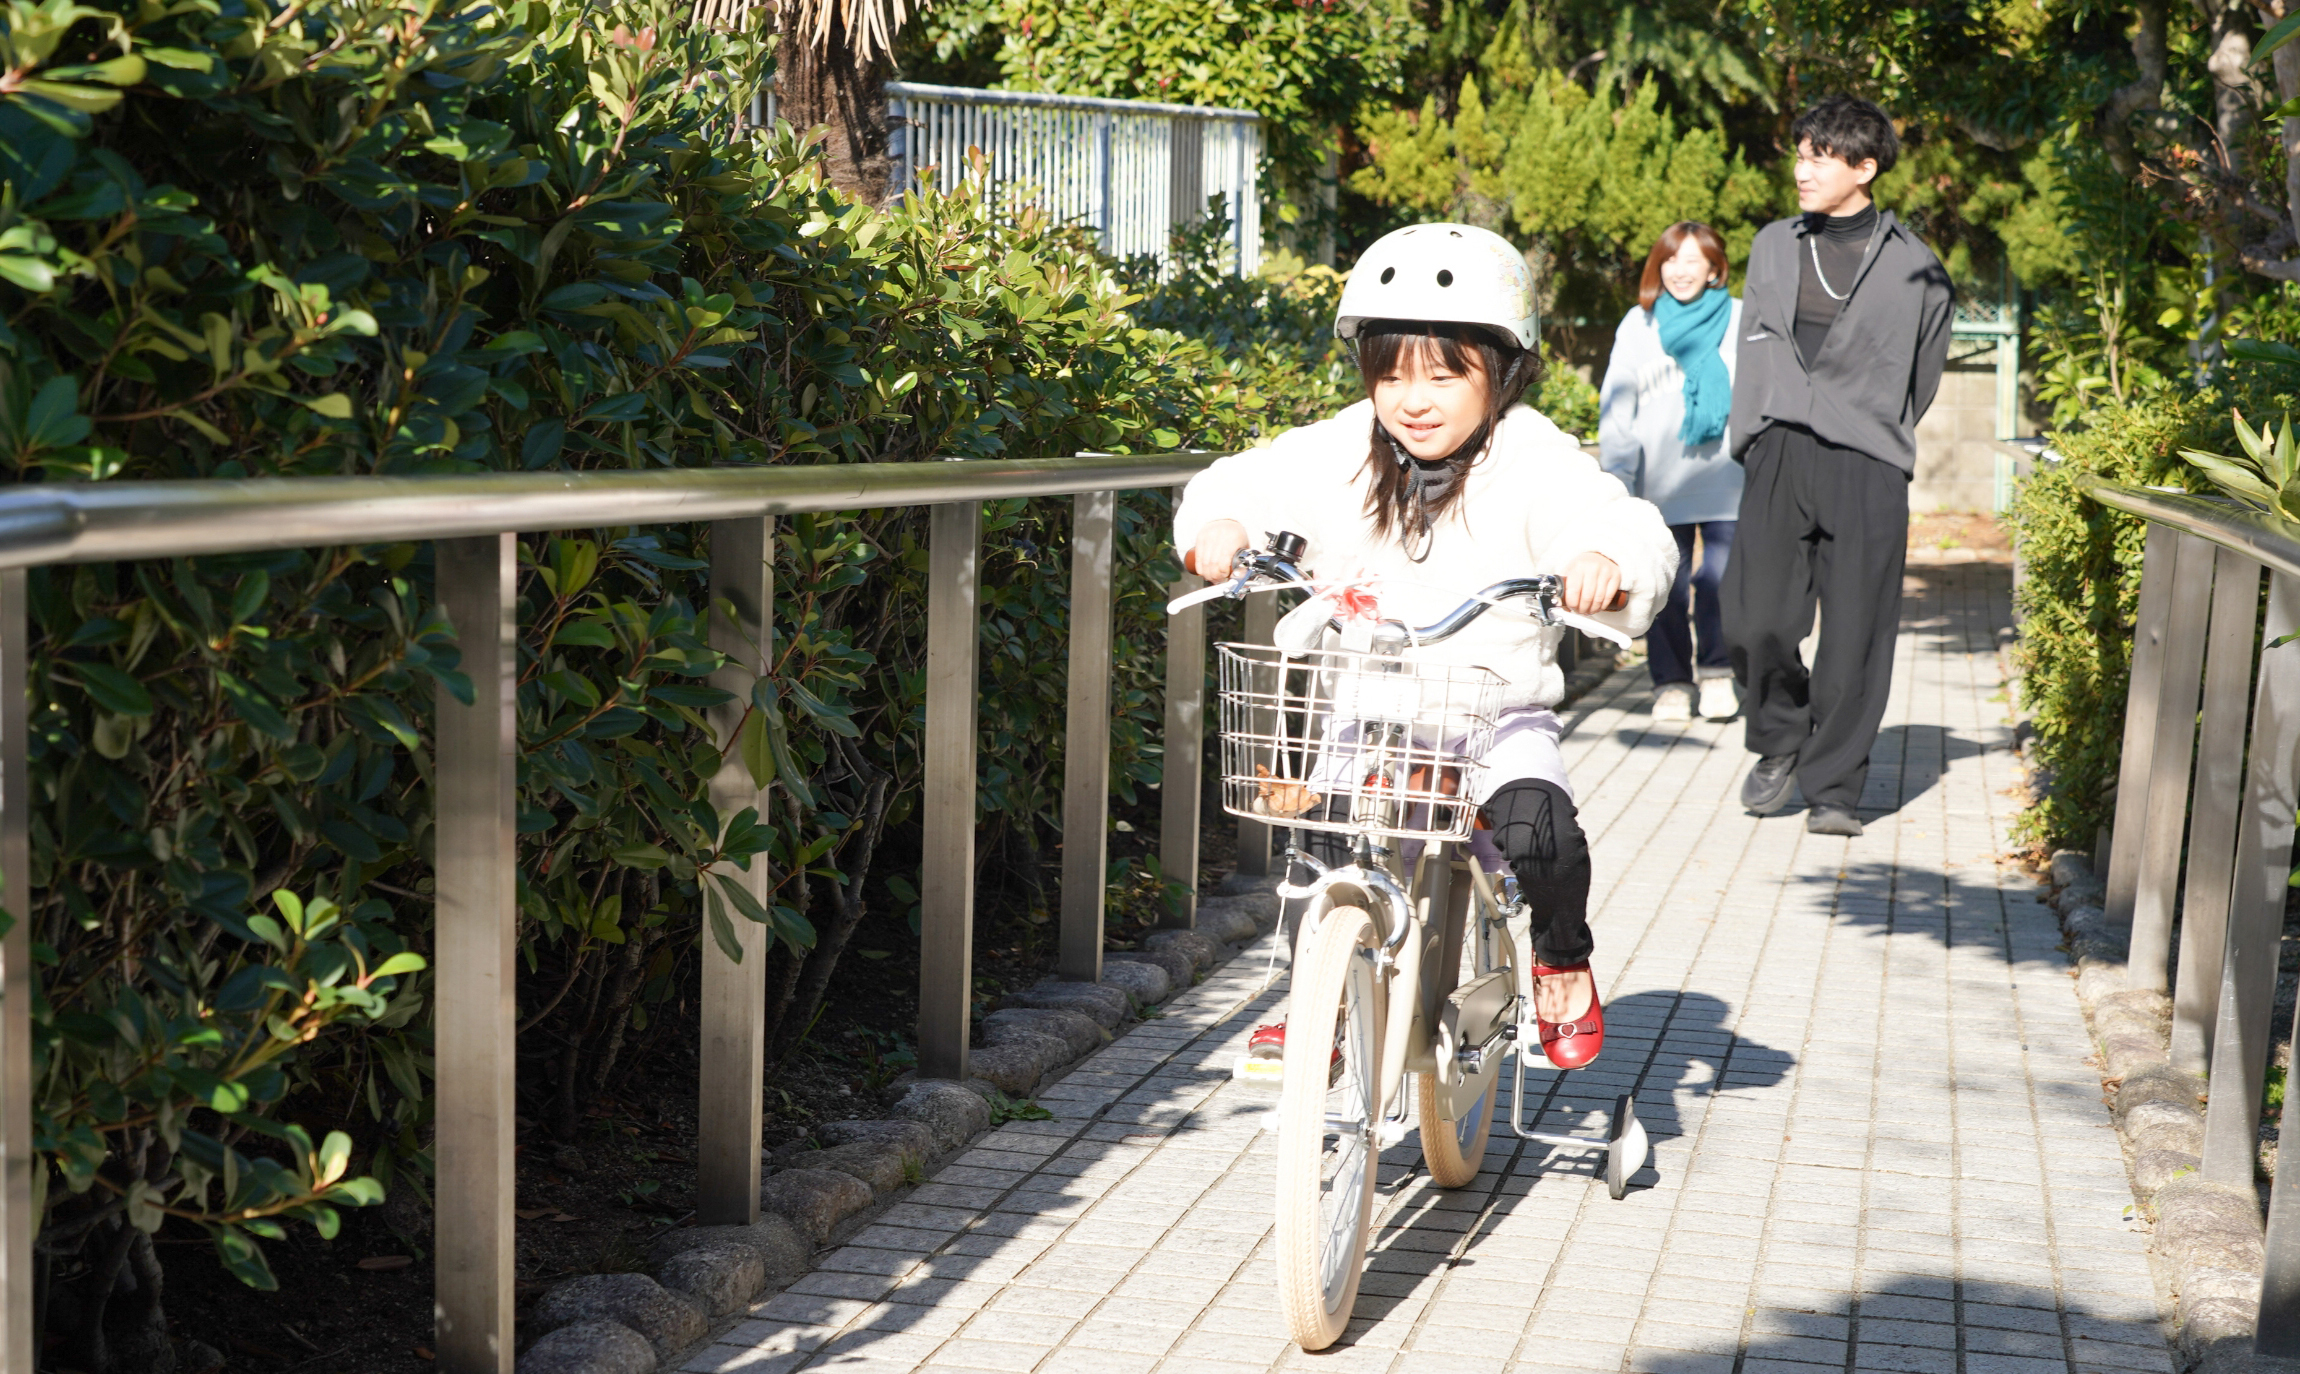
{"x":1957,"y":905}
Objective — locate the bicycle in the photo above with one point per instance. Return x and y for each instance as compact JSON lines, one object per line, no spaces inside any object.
{"x":1411,"y":958}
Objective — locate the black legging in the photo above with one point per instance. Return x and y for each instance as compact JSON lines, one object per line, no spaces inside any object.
{"x":1538,"y":832}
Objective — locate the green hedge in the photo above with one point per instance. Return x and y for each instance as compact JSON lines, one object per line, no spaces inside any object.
{"x":335,"y":238}
{"x":2077,"y":601}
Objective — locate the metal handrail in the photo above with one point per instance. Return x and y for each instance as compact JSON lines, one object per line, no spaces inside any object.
{"x":2255,"y":534}
{"x":473,"y":520}
{"x":90,"y":522}
{"x":1047,"y":100}
{"x":2198,"y":630}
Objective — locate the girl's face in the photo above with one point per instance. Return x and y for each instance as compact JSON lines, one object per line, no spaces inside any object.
{"x":1686,"y":274}
{"x":1429,"y":408}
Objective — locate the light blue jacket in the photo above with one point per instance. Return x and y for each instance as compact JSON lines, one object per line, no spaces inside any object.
{"x":1639,"y":409}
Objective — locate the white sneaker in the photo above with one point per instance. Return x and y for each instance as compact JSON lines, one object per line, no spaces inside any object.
{"x":1673,"y":704}
{"x":1718,"y":699}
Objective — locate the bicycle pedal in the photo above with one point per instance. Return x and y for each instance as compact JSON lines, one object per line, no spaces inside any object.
{"x":1248,"y":1069}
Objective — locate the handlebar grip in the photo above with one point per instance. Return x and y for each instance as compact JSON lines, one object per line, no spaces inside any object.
{"x":1620,"y":601}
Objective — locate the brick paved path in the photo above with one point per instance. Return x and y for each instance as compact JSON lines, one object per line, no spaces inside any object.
{"x":1877,"y":1144}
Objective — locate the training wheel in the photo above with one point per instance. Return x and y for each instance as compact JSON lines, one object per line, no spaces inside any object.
{"x":1626,"y":1148}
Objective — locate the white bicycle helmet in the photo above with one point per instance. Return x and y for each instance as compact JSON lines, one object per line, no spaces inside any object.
{"x":1441,"y":274}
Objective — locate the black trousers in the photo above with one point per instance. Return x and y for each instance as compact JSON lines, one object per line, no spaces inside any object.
{"x":1829,"y":525}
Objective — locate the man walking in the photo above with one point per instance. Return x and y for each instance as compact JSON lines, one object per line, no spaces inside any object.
{"x":1844,"y":331}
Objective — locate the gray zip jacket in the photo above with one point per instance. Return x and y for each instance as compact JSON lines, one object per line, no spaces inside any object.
{"x":1881,"y":363}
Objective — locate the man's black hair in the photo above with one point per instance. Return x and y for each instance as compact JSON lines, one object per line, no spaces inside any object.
{"x":1849,"y":128}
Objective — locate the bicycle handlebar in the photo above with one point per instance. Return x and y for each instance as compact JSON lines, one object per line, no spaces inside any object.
{"x":1273,"y":568}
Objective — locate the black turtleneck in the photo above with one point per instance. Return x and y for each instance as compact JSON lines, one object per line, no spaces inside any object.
{"x":1839,"y":242}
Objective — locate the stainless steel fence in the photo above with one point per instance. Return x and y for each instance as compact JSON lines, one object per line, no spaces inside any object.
{"x":474,"y":521}
{"x":2193,"y":684}
{"x":1131,"y":170}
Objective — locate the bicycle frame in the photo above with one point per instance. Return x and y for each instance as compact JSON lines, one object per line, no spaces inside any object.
{"x":1418,"y":967}
{"x":1423,"y":926}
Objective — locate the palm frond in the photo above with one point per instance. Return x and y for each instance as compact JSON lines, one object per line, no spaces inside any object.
{"x":870,"y":25}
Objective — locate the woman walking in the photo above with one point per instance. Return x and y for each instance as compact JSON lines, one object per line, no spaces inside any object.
{"x":1661,"y":430}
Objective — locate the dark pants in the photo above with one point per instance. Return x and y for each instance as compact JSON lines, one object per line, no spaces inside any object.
{"x":1538,"y":831}
{"x":1690,"y":616}
{"x":1827,"y":524}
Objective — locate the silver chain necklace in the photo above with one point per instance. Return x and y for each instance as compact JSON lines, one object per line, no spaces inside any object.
{"x":1813,"y":242}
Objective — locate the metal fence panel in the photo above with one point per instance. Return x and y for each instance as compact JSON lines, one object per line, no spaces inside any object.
{"x":1131,"y":170}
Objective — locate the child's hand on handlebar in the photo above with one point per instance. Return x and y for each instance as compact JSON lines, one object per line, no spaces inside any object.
{"x":1216,"y":546}
{"x":1593,"y":584}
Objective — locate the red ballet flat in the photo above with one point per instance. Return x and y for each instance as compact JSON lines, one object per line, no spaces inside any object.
{"x":1571,"y":1044}
{"x":1269,"y":1043}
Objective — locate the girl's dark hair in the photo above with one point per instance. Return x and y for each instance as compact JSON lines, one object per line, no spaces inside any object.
{"x":1382,"y":344}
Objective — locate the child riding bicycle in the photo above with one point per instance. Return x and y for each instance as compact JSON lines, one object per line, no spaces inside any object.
{"x":1439,"y":482}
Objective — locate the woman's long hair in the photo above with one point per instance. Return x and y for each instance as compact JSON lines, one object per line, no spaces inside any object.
{"x":1466,"y":349}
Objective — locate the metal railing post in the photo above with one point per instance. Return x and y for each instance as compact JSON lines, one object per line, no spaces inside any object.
{"x":2132,"y":776}
{"x":1086,"y":739}
{"x":2276,"y":741}
{"x":2171,"y":749}
{"x":946,"y":868}
{"x":17,"y":1161}
{"x":1254,"y":836}
{"x":2256,"y":905}
{"x":1179,"y":803}
{"x":2212,"y":823}
{"x":476,"y":1016}
{"x":734,"y":995}
{"x":1185,"y":172}
{"x":1107,"y":221}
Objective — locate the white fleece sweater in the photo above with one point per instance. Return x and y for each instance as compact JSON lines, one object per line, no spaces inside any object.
{"x":1532,"y":503}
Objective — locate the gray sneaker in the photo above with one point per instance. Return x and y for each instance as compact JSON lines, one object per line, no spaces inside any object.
{"x":1766,"y":789}
{"x":1830,"y":819}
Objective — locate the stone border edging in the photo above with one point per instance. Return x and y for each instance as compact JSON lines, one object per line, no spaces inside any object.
{"x":636,"y":1324}
{"x":2206,"y":1253}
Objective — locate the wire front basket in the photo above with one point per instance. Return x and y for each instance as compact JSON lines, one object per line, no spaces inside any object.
{"x":1352,"y":743}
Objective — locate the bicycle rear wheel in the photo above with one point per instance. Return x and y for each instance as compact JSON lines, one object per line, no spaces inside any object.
{"x":1327,"y":1115}
{"x":1454,"y":1150}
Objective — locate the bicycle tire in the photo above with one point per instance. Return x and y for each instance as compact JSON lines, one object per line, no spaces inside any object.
{"x":1325,"y":1197}
{"x":1453,"y":1151}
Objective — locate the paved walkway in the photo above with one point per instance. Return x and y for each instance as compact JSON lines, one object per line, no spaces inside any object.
{"x":1878,"y":1146}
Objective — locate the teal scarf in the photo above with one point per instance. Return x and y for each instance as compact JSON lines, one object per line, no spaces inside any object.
{"x":1692,"y":334}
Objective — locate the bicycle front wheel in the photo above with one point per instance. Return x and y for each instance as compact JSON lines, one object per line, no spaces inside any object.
{"x":1327,"y":1114}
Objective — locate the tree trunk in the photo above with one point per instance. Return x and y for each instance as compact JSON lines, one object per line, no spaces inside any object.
{"x":2233,"y":89}
{"x":2113,"y":124}
{"x":854,"y":860}
{"x":2287,"y":65}
{"x":830,"y":86}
